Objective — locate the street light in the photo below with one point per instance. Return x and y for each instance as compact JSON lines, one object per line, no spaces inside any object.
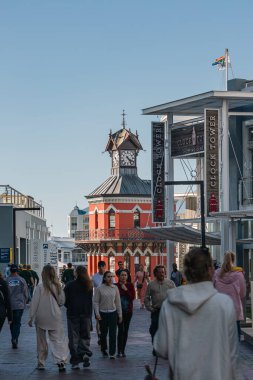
{"x":14,"y":227}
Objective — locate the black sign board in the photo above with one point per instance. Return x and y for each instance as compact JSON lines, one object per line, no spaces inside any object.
{"x":187,"y":140}
{"x":158,"y":188}
{"x":5,"y":255}
{"x":212,"y":160}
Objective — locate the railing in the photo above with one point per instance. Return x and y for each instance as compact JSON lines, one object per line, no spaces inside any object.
{"x":8,"y":195}
{"x":112,"y":234}
{"x":246,"y":191}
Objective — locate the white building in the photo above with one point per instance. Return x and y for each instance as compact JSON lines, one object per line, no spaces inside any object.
{"x":23,"y":229}
{"x":62,"y":250}
{"x":78,"y":220}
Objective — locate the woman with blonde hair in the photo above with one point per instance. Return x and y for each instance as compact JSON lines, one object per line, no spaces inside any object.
{"x":230,"y":280}
{"x":45,"y":311}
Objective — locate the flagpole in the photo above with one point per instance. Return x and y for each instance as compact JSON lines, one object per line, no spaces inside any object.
{"x":226,"y":63}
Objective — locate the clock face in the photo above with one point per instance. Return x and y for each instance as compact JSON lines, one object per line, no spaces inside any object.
{"x":115,"y":158}
{"x":127,"y":158}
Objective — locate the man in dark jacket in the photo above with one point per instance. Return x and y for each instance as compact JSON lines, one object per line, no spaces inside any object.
{"x":120,"y":269}
{"x":68,"y":274}
{"x":5,"y":306}
{"x":18,"y":297}
{"x":79,"y":312}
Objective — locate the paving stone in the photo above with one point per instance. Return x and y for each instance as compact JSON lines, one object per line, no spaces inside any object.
{"x":21,"y":363}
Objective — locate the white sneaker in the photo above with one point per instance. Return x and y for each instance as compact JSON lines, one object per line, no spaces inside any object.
{"x":75,"y":366}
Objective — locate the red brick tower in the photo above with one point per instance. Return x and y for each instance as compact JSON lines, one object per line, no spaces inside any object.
{"x":117,"y":208}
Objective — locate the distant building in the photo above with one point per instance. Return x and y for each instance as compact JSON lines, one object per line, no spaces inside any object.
{"x":63,"y":250}
{"x":78,"y":220}
{"x":23,"y":230}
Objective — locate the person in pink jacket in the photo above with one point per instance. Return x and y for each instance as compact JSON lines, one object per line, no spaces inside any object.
{"x":230,"y":280}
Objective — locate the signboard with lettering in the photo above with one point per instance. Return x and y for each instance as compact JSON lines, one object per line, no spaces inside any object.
{"x":5,"y":255}
{"x":187,"y":140}
{"x":212,"y":160}
{"x":158,"y":158}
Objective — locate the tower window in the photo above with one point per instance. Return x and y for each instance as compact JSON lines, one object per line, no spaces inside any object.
{"x":111,"y":219}
{"x":96,"y":220}
{"x":137,"y":217}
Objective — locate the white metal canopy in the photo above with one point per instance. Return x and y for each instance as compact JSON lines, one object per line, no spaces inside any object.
{"x":182,"y":234}
{"x":195,"y":105}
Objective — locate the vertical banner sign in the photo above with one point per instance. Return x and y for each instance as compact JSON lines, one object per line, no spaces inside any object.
{"x":157,"y":157}
{"x":212,"y":160}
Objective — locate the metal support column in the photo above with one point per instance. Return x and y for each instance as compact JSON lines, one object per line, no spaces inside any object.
{"x":169,"y":170}
{"x":225,"y":179}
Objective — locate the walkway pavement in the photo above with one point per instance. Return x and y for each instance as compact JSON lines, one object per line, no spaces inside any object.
{"x":21,"y":363}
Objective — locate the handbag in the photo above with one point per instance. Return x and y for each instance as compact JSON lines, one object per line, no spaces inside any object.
{"x":139,"y":286}
{"x":150,"y":375}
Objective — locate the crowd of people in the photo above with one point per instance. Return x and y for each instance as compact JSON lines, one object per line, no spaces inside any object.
{"x":200,"y":320}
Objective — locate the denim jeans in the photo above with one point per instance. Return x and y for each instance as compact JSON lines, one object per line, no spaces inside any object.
{"x":79,"y":337}
{"x":154,"y":323}
{"x":108,"y":322}
{"x":16,"y":324}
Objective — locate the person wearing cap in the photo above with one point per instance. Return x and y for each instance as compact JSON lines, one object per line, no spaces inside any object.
{"x":19,"y":297}
{"x":27,"y":276}
{"x":97,"y":279}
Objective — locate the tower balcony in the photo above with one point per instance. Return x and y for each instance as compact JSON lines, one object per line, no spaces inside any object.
{"x":97,"y":235}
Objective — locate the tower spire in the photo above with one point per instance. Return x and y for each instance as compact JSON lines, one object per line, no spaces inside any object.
{"x":123,"y":120}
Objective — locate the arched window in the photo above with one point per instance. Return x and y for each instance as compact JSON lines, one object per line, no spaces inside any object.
{"x":111,"y":263}
{"x":127,"y":261}
{"x":111,"y":218}
{"x":96,"y":220}
{"x":137,"y":219}
{"x":148,"y":263}
{"x":137,"y":261}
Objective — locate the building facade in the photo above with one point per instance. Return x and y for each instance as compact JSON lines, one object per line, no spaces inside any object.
{"x":23,"y":230}
{"x":118,"y":208}
{"x":62,"y":250}
{"x":218,"y":131}
{"x":77,"y":220}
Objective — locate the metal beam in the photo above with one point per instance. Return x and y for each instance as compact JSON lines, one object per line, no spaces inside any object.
{"x":238,"y":113}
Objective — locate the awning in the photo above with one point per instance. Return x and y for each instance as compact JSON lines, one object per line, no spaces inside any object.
{"x":182,"y":234}
{"x":195,"y":105}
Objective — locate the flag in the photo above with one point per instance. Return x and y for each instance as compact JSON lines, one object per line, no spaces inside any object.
{"x":221,"y":62}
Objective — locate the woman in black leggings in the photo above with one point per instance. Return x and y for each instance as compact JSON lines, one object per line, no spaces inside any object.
{"x":127,"y":295}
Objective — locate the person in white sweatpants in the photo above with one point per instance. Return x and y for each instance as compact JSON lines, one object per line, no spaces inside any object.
{"x":45,"y":311}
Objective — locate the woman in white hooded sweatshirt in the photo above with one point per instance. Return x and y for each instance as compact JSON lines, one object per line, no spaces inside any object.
{"x":197,"y":326}
{"x":45,"y":311}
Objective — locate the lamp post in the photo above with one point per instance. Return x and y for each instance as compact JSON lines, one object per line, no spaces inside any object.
{"x":14,"y":227}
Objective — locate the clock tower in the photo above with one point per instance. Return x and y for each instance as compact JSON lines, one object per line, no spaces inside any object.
{"x":118,"y":209}
{"x":123,"y":147}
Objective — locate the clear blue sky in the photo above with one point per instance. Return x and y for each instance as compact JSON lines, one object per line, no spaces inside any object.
{"x":69,"y":67}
